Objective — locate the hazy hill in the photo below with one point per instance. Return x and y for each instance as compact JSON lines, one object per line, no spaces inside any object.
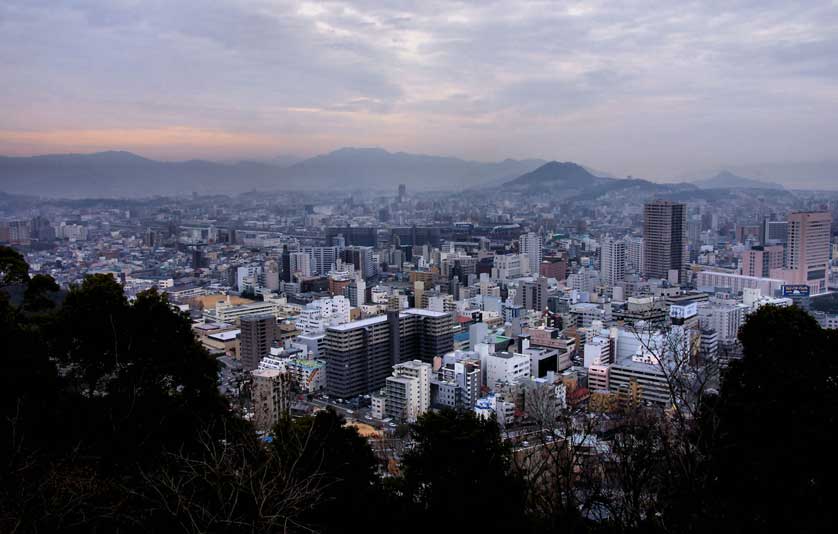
{"x":123,"y":174}
{"x":566,"y":180}
{"x":728,"y":180}
{"x":377,"y":168}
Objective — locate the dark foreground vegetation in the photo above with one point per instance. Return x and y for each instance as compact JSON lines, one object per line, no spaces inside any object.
{"x":112,"y":422}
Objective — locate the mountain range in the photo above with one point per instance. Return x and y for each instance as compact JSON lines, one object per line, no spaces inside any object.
{"x":728,"y":180}
{"x":118,"y":174}
{"x":123,"y":174}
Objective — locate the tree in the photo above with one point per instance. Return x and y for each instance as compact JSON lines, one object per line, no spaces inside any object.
{"x":459,"y":475}
{"x":13,"y":267}
{"x":773,"y":461}
{"x":340,"y":466}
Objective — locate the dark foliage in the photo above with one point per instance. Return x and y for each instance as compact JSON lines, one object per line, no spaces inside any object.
{"x":773,"y":462}
{"x":459,"y":475}
{"x":111,"y":421}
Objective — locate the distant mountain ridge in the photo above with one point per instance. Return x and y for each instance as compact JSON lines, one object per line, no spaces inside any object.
{"x":728,"y":180}
{"x":566,"y":180}
{"x":124,"y":174}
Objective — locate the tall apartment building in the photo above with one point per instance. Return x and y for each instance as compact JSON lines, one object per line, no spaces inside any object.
{"x":612,"y":261}
{"x":808,"y":250}
{"x":634,"y":254}
{"x":361,"y":258}
{"x":360,"y":355}
{"x":665,"y":246}
{"x":300,"y":262}
{"x":457,"y":383}
{"x":761,"y":260}
{"x":532,"y":246}
{"x":271,"y":396}
{"x":408,"y":391}
{"x":322,"y":258}
{"x":258,"y":332}
{"x":535,"y":294}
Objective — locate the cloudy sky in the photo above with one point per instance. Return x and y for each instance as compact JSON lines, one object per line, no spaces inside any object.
{"x":646,"y":88}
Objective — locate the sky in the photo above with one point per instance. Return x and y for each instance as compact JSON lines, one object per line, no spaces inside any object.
{"x":653,"y":89}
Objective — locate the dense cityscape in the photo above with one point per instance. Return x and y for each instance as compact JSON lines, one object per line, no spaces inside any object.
{"x":298,"y":267}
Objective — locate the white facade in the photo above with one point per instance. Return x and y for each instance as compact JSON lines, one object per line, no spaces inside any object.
{"x":612,"y":262}
{"x":531,"y":245}
{"x":408,"y":391}
{"x":319,"y":314}
{"x":508,"y":266}
{"x":506,"y":367}
{"x":301,"y":263}
{"x":322,"y":258}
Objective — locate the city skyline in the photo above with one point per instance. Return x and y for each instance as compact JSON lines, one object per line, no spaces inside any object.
{"x":654,"y":93}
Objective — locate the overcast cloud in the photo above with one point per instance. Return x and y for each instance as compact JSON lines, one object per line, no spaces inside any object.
{"x":652,"y":89}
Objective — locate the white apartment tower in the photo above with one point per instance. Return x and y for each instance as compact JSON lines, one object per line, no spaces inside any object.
{"x":612,"y":261}
{"x":408,"y":391}
{"x":532,"y":246}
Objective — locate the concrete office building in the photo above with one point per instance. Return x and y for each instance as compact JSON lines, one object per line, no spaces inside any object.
{"x":506,"y":368}
{"x":651,"y":382}
{"x":300,"y":263}
{"x":808,"y":250}
{"x":665,"y":245}
{"x":322,"y":258}
{"x":761,"y":260}
{"x":361,"y":258}
{"x":258,"y":332}
{"x":710,"y":281}
{"x":774,"y":231}
{"x":361,"y":354}
{"x":535,"y":294}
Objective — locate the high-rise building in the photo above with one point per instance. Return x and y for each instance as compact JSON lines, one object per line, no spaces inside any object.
{"x":360,"y":355}
{"x":402,"y":192}
{"x":286,"y":264}
{"x":408,"y":391}
{"x":271,"y":395}
{"x":612,"y":261}
{"x":532,"y":246}
{"x":774,"y":231}
{"x":366,"y":236}
{"x":761,"y":260}
{"x":665,"y":240}
{"x":356,"y":292}
{"x":301,"y":263}
{"x":258,"y":332}
{"x":634,"y":254}
{"x":322,"y":258}
{"x":808,"y":250}
{"x":535,"y":294}
{"x":361,"y":258}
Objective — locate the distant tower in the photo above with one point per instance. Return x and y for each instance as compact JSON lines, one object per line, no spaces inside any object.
{"x":665,"y":239}
{"x":257,"y":334}
{"x":612,"y":261}
{"x":402,"y":192}
{"x":531,"y":245}
{"x":808,"y":250}
{"x":286,"y":264}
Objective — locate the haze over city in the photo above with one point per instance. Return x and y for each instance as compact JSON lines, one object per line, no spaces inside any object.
{"x":418,"y":267}
{"x":664,"y":91}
